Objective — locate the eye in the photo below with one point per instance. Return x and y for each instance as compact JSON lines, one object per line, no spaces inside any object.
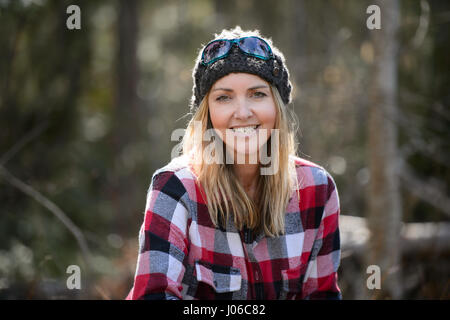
{"x":260,"y":94}
{"x":222,"y":98}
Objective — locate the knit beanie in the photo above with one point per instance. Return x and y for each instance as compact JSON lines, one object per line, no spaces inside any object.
{"x":274,"y":71}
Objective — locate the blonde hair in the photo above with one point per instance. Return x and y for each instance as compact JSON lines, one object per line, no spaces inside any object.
{"x":226,"y":197}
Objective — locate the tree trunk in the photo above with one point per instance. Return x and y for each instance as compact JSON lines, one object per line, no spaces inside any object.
{"x":384,"y":201}
{"x":126,"y":113}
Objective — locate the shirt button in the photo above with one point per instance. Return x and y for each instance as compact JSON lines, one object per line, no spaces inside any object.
{"x":256,"y":276}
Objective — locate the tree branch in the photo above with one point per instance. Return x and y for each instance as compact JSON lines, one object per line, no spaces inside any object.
{"x":428,"y":191}
{"x":52,"y":207}
{"x":44,"y":201}
{"x":24,"y":141}
{"x":415,"y":236}
{"x":424,"y":22}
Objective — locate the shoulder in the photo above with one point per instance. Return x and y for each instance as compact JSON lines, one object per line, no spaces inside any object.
{"x":312,"y":174}
{"x":317,"y":189}
{"x":175,"y":177}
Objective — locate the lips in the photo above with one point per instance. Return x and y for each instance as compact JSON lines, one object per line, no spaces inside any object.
{"x":246,"y":130}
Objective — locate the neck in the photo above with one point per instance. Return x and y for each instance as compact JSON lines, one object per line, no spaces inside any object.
{"x":247,"y":175}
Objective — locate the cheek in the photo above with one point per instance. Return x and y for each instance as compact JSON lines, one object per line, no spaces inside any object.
{"x":217,"y":117}
{"x":219,"y":120}
{"x":268,"y":116}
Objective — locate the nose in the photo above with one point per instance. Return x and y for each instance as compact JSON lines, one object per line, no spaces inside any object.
{"x":242,"y":110}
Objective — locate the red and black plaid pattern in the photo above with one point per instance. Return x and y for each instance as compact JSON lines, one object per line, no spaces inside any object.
{"x":183,"y":256}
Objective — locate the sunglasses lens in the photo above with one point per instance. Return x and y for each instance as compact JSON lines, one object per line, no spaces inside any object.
{"x":215,"y":50}
{"x":255,"y":46}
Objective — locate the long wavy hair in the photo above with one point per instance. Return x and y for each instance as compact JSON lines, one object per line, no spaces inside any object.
{"x":225,"y":196}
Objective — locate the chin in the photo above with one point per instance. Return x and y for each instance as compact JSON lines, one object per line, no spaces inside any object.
{"x":245,"y":156}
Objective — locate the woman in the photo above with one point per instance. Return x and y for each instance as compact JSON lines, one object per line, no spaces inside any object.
{"x":239,"y":215}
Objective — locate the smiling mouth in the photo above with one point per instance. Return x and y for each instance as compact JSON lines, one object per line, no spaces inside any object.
{"x":245,"y":130}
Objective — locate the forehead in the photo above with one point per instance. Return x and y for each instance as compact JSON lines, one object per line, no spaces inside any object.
{"x":239,"y":79}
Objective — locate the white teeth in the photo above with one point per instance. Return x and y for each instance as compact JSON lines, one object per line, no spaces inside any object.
{"x":245,"y":130}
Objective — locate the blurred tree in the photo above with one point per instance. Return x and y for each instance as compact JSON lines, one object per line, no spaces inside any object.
{"x":127,"y":115}
{"x":43,"y":65}
{"x":384,"y":202}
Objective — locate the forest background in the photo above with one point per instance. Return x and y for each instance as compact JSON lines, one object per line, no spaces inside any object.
{"x":86,"y":117}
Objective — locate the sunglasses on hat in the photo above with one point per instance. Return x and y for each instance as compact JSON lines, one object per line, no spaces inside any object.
{"x":220,"y":48}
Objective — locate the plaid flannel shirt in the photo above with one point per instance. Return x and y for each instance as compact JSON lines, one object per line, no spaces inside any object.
{"x":183,"y":256}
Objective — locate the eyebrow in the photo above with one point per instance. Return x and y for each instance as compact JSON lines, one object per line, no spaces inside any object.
{"x":252,"y":88}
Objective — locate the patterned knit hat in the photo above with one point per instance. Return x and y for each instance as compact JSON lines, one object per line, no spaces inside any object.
{"x":274,"y":71}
